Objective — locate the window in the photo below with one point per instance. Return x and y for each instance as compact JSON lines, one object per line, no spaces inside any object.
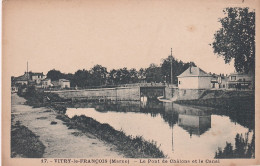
{"x":179,"y":82}
{"x":233,"y":78}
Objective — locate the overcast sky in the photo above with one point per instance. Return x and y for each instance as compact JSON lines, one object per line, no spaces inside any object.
{"x":71,"y":35}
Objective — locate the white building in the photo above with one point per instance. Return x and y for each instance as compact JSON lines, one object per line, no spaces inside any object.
{"x":219,"y":81}
{"x":46,"y":83}
{"x":63,"y":83}
{"x":240,"y":81}
{"x":37,"y":77}
{"x":194,"y":78}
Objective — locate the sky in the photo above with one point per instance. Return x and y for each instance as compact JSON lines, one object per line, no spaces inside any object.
{"x":69,"y":35}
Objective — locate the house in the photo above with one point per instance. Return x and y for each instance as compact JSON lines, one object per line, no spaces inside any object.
{"x":63,"y":83}
{"x":29,"y":78}
{"x":240,"y":81}
{"x":55,"y":84}
{"x":219,"y":81}
{"x":37,"y":77}
{"x":46,"y":83}
{"x":21,"y":80}
{"x":194,"y":78}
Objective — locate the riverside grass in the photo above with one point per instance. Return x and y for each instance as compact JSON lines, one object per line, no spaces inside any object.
{"x":25,"y":143}
{"x":132,"y":147}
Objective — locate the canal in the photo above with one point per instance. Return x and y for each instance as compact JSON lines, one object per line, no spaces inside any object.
{"x":178,"y":130}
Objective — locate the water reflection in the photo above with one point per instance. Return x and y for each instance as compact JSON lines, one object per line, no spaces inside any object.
{"x":179,"y":130}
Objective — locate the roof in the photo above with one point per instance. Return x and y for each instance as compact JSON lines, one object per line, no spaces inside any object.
{"x":64,"y":80}
{"x":240,"y":74}
{"x":21,"y":78}
{"x":194,"y":72}
{"x":36,"y":74}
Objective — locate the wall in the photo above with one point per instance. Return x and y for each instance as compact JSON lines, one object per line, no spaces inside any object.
{"x":123,"y":94}
{"x":188,"y":83}
{"x":204,"y":82}
{"x":152,"y":92}
{"x":171,"y":92}
{"x":128,"y":93}
{"x":65,"y":84}
{"x":183,"y":94}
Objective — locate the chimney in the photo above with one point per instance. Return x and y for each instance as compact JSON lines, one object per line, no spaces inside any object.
{"x":190,"y":67}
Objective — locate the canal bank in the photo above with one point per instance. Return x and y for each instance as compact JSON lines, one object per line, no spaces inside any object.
{"x":55,"y":136}
{"x":115,"y":143}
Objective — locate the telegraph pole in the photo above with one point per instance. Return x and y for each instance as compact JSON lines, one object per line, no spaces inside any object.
{"x":171,"y":66}
{"x":27,"y":73}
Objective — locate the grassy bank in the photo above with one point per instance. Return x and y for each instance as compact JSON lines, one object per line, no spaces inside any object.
{"x":25,"y":143}
{"x":133,"y":147}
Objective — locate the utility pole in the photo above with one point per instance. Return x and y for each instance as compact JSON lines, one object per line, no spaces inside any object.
{"x":27,"y":73}
{"x":171,"y":66}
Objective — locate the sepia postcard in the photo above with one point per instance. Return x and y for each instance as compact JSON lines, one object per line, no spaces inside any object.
{"x":113,"y":82}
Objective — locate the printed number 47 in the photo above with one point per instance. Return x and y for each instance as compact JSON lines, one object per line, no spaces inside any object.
{"x":44,"y":161}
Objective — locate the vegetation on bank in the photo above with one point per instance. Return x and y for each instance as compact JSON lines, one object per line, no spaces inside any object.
{"x":135,"y":147}
{"x":25,"y":143}
{"x":132,"y":147}
{"x":243,"y":148}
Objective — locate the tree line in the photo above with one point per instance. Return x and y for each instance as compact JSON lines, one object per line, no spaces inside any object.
{"x":99,"y":75}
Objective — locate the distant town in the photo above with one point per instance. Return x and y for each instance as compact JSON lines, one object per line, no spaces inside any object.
{"x":191,"y":78}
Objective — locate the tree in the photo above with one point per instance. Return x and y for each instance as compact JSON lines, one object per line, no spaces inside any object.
{"x":133,"y":75}
{"x":55,"y":75}
{"x":125,"y":76}
{"x":98,"y":75}
{"x":112,"y":77}
{"x":236,"y":38}
{"x":153,"y":74}
{"x":81,"y":78}
{"x":177,"y":68}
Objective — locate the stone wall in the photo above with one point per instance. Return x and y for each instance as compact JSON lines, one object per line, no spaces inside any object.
{"x":183,"y":94}
{"x":121,"y":94}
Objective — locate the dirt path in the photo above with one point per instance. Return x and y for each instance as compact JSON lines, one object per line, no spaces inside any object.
{"x":60,"y":141}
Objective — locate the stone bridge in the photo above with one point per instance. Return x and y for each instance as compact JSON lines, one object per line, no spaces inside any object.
{"x":131,"y":93}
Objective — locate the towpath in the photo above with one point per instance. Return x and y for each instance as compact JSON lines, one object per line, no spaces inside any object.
{"x":60,"y":141}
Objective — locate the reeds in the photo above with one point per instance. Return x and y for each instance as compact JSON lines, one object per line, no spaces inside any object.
{"x":243,"y":148}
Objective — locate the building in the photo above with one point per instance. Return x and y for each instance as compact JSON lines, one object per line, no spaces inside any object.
{"x":219,"y":81}
{"x":46,"y":83}
{"x":194,"y":78}
{"x":240,"y":81}
{"x":21,"y":80}
{"x":29,"y":78}
{"x":37,"y":77}
{"x":63,"y":83}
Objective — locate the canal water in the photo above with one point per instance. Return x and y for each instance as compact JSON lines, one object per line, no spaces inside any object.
{"x":178,"y":130}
